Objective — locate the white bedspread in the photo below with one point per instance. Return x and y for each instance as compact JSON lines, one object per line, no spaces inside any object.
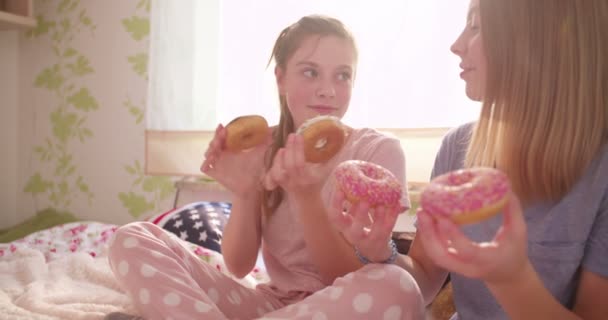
{"x":75,"y":286}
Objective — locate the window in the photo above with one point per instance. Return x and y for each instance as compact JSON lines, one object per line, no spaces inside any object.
{"x":208,"y":65}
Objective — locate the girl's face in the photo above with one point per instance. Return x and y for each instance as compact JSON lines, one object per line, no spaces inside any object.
{"x":469,"y":47}
{"x":318,"y":78}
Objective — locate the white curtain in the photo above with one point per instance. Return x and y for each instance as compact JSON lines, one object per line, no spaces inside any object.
{"x":208,"y":64}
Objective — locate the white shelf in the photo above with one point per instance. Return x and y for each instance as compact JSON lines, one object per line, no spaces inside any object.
{"x":16,"y":14}
{"x":13,"y":21}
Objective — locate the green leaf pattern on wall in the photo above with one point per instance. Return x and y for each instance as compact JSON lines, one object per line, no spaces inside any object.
{"x":156,"y":187}
{"x":70,"y":107}
{"x":146,"y":192}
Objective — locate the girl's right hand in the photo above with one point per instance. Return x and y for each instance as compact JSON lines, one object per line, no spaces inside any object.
{"x":239,"y":172}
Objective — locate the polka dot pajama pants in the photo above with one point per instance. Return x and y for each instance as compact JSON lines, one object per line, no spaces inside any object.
{"x":167,"y":281}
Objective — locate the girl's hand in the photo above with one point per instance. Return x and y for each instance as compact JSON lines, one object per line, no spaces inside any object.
{"x":291,"y":171}
{"x":369,"y":231}
{"x":502,"y":259}
{"x":239,"y":172}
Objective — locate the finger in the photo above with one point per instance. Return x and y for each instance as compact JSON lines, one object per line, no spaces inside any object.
{"x":290,"y":165}
{"x":427,"y":232}
{"x":382,"y":226}
{"x":276,"y":175}
{"x":463,"y":248}
{"x":222,"y":133}
{"x":299,"y":150}
{"x":437,"y":248}
{"x":360,"y":216}
{"x":217,"y":141}
{"x":208,"y":163}
{"x":268,"y":182}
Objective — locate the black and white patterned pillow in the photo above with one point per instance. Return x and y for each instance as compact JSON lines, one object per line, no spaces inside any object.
{"x":201,"y":223}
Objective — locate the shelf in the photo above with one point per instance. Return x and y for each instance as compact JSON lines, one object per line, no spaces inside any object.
{"x":13,"y":21}
{"x":16,"y":14}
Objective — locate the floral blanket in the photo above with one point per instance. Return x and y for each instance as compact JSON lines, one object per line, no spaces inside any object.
{"x":63,"y":273}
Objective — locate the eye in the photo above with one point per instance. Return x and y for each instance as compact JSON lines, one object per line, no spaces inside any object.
{"x":310,"y":73}
{"x":345,"y":76}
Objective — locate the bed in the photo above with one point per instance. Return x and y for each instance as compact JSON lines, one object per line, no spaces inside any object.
{"x":62,"y":272}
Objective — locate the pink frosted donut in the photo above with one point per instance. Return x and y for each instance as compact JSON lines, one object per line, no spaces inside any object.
{"x":361,"y":180}
{"x":467,"y":195}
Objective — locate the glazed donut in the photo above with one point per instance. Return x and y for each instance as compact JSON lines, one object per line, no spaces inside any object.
{"x":323,"y":137}
{"x":246,"y":132}
{"x":366,"y":181}
{"x":466,"y":195}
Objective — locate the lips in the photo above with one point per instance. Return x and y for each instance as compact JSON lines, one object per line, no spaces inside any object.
{"x":465,"y":71}
{"x":322,"y":109}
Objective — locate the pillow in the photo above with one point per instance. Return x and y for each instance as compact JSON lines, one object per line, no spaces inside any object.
{"x":201,"y":223}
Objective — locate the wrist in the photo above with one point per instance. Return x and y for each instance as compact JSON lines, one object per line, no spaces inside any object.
{"x":389,"y":255}
{"x":518,"y":279}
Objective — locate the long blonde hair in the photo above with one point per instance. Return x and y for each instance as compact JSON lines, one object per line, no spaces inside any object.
{"x":288,"y":41}
{"x":545,"y":108}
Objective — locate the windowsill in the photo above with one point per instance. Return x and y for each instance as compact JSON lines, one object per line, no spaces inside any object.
{"x":180,"y":153}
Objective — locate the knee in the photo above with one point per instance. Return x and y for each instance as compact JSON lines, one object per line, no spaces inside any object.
{"x":129,"y":236}
{"x":398,"y":284}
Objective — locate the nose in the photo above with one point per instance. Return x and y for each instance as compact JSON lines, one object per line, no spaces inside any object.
{"x":326,"y":89}
{"x":458,"y":47}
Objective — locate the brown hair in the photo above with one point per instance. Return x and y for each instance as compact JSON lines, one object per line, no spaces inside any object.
{"x":288,"y":41}
{"x":545,"y":108}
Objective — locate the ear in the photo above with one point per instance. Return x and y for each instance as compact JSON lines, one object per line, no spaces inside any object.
{"x":279,"y":74}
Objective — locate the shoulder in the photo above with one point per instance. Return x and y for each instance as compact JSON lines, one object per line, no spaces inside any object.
{"x":453,"y":149}
{"x":460,"y":136}
{"x":368,"y":142}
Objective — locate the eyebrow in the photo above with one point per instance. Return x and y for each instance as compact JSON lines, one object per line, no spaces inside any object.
{"x":312,"y":64}
{"x":470,"y":13}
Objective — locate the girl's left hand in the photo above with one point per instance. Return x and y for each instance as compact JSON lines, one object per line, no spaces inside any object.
{"x":369,"y":230}
{"x":291,"y":171}
{"x":502,"y":259}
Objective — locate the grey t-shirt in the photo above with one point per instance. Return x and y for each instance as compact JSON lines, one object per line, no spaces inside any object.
{"x":562,"y":236}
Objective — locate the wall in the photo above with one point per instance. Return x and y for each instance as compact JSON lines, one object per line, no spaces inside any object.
{"x":8,"y":126}
{"x":83,"y":74}
{"x":78,"y":112}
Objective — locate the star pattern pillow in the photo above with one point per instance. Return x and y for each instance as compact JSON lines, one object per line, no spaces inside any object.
{"x":201,"y":223}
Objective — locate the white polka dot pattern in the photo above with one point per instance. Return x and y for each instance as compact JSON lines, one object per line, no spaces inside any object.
{"x":147,"y":271}
{"x":172,"y":299}
{"x":213,"y":295}
{"x":130,"y":242}
{"x":319,"y":316}
{"x":144,"y":296}
{"x":376,"y":274}
{"x":335,"y":293}
{"x":406,"y":283}
{"x":363,"y":302}
{"x":261,"y":311}
{"x":234,"y":297}
{"x":123,"y":268}
{"x":202,"y":307}
{"x":392,"y":313}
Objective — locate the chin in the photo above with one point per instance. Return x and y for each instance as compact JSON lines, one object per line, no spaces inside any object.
{"x":473,"y":94}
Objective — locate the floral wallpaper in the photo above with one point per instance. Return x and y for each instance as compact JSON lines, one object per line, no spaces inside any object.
{"x":83,"y":79}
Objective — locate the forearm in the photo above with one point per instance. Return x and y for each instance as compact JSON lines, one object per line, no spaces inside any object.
{"x":527,"y":298}
{"x":332,"y":254}
{"x":242,"y":235}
